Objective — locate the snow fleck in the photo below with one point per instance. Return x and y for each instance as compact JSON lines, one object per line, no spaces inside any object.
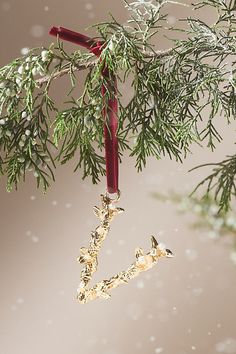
{"x":13,"y":307}
{"x":152,"y":339}
{"x":46,"y":8}
{"x":121,"y":242}
{"x":140,"y":284}
{"x":6,"y":6}
{"x":193,"y":347}
{"x":88,"y":6}
{"x":37,"y":31}
{"x":227,"y":346}
{"x":32,"y":197}
{"x":150,"y":316}
{"x":109,"y":252}
{"x":35,"y":239}
{"x":158,"y":350}
{"x":25,"y":50}
{"x":191,"y":254}
{"x":20,"y":301}
{"x":54,"y":202}
{"x":68,"y":205}
{"x":197,"y":291}
{"x":233,"y":257}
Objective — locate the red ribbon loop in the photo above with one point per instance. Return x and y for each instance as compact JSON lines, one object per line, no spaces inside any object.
{"x":110,"y":113}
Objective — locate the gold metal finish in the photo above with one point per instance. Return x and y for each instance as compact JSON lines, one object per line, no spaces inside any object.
{"x":89,"y":256}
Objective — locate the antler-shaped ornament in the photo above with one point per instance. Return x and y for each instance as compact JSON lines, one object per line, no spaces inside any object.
{"x":89,"y":256}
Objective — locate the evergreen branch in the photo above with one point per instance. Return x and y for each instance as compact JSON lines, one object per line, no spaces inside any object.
{"x":171,"y":91}
{"x":222,"y":182}
{"x":64,"y":72}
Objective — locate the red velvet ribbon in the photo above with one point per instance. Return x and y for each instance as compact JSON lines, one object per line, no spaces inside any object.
{"x":110,"y":113}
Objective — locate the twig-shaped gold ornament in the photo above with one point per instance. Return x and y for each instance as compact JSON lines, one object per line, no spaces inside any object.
{"x":89,"y":256}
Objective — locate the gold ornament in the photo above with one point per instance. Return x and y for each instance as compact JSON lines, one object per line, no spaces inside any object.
{"x":89,"y":256}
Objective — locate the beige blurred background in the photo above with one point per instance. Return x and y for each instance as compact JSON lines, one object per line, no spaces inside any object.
{"x":185,"y":305}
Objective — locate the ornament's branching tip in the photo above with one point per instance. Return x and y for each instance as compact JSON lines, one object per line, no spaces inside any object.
{"x":138,"y":252}
{"x":154,"y":242}
{"x":120,"y":210}
{"x":169,"y":254}
{"x":96,"y":211}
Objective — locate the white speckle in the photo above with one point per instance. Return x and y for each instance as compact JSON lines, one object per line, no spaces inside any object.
{"x":2,"y":121}
{"x":13,"y":308}
{"x":227,"y":346}
{"x":193,"y":347}
{"x":197,"y":291}
{"x":158,"y":350}
{"x":209,"y":333}
{"x":35,"y":239}
{"x":36,"y":175}
{"x":6,"y":6}
{"x":2,"y":84}
{"x":109,"y":252}
{"x":88,"y":6}
{"x":152,"y":339}
{"x":24,"y":51}
{"x":150,"y":316}
{"x":233,"y":257}
{"x":20,"y":301}
{"x":32,"y":197}
{"x":28,"y":233}
{"x":140,"y":284}
{"x":174,"y":308}
{"x":54,"y":202}
{"x":191,"y":254}
{"x":37,"y":31}
{"x":27,"y":132}
{"x":68,"y":205}
{"x":46,"y":8}
{"x":121,"y":242}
